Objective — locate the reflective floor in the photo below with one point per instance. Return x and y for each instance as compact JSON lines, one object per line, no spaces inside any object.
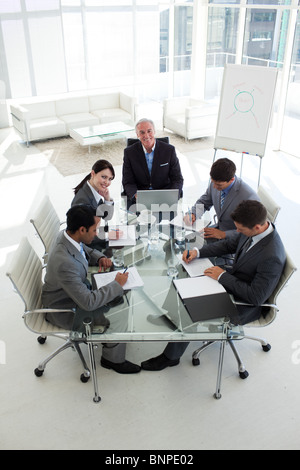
{"x":172,"y":409}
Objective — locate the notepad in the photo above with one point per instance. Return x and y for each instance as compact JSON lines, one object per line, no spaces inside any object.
{"x":196,"y":267}
{"x":134,"y":279}
{"x":197,"y":226}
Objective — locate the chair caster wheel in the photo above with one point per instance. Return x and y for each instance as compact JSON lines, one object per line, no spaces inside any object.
{"x":196,"y":361}
{"x":38,"y":372}
{"x":41,"y":340}
{"x":244,"y":374}
{"x":84,"y":378}
{"x":266,"y":347}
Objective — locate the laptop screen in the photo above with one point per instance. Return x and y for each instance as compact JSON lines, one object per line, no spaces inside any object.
{"x":157,"y":200}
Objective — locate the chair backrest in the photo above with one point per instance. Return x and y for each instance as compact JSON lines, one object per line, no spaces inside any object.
{"x":287,"y":272}
{"x":46,"y":223}
{"x":272,"y":207}
{"x":25,"y":272}
{"x":270,"y":316}
{"x":131,"y":141}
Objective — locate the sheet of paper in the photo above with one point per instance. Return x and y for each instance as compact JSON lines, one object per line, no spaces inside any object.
{"x":127,"y":237}
{"x":196,"y":267}
{"x":134,"y":279}
{"x":197,"y":286}
{"x":197,"y":226}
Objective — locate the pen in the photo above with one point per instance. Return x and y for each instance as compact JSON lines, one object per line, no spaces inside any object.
{"x":125,"y":270}
{"x":188,"y":252}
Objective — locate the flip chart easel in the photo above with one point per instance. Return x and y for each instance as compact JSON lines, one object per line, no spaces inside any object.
{"x":245,"y":110}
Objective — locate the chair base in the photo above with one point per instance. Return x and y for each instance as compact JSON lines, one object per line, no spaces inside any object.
{"x":243,"y":373}
{"x":85,"y":376}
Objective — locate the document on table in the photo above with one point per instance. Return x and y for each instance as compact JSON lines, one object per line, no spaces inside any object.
{"x":205,"y":299}
{"x":126,"y":238}
{"x":197,"y":226}
{"x":197,"y":286}
{"x":134,"y":279}
{"x":196,"y":267}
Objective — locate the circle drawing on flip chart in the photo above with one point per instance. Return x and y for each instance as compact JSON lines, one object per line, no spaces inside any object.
{"x":244,"y":103}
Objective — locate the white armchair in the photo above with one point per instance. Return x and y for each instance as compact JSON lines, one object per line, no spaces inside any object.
{"x":189,"y":117}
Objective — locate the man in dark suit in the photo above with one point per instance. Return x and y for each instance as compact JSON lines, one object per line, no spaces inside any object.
{"x":149,"y":164}
{"x":257,"y":267}
{"x":66,"y":285}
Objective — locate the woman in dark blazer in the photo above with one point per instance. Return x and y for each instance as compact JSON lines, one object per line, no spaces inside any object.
{"x":94,"y":191}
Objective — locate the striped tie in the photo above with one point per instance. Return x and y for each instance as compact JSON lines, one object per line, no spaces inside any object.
{"x":222,"y":198}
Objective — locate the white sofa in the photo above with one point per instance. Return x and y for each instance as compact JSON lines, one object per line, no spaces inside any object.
{"x":189,"y":117}
{"x":44,"y":119}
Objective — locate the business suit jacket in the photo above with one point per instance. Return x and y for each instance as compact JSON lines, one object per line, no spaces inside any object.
{"x":85,"y":196}
{"x":65,"y":282}
{"x":165,"y":174}
{"x":239,"y":192}
{"x":253,"y":276}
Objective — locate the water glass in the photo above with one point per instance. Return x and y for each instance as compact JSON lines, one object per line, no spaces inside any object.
{"x":118,"y":258}
{"x":172,"y":268}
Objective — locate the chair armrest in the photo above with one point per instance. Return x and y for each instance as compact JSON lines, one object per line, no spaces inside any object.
{"x":128,"y":103}
{"x":19,"y":112}
{"x":236,"y":302}
{"x":48,"y":310}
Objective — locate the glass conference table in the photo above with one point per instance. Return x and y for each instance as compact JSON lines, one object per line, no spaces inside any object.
{"x":155,"y":312}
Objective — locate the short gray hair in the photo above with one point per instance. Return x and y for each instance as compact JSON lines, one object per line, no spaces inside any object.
{"x":145,"y":120}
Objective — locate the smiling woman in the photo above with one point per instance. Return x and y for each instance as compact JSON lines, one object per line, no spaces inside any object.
{"x":94,"y":191}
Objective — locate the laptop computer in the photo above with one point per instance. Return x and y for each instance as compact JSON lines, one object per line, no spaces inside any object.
{"x":157,"y":200}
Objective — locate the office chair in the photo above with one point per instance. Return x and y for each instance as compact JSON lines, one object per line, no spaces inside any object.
{"x":46,"y":224}
{"x":272,"y":207}
{"x":25,"y":273}
{"x":265,"y":320}
{"x":131,"y":141}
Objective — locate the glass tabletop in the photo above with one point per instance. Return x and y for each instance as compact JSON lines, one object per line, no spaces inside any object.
{"x":103,"y":130}
{"x":155,"y":312}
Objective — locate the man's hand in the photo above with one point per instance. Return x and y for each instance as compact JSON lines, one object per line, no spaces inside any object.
{"x":189,"y":219}
{"x":104,"y":263}
{"x":210,"y":232}
{"x":214,"y":272}
{"x":188,"y":257}
{"x":121,"y":278}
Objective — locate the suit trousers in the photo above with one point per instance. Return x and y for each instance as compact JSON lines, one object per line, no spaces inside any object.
{"x":113,"y":352}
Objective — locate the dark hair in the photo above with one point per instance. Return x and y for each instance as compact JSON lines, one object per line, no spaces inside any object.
{"x":222,"y":169}
{"x":80,"y":215}
{"x":99,"y":165}
{"x":250,"y":213}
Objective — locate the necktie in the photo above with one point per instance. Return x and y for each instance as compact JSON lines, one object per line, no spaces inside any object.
{"x":222,"y":198}
{"x":82,"y":251}
{"x":245,"y":247}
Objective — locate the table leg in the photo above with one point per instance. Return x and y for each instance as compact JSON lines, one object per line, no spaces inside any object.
{"x":218,"y":395}
{"x":87,"y":325}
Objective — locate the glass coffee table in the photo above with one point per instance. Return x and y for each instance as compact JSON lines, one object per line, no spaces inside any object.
{"x":155,"y":312}
{"x":100,"y":133}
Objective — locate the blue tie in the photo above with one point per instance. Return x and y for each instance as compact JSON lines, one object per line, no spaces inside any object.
{"x":82,"y":251}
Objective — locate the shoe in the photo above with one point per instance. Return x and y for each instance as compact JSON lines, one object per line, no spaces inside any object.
{"x":125,"y":367}
{"x":159,"y":363}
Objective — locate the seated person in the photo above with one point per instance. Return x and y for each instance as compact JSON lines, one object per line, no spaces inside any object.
{"x":94,"y":191}
{"x":66,"y":285}
{"x":224,"y":193}
{"x":259,"y":261}
{"x":149,"y":164}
